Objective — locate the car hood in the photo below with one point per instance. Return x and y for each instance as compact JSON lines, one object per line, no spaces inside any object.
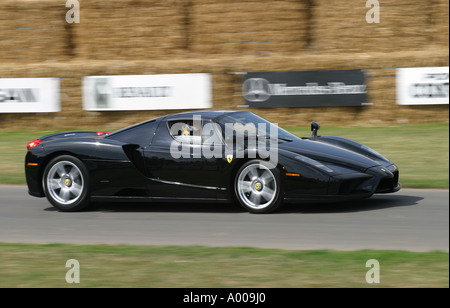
{"x":330,"y":154}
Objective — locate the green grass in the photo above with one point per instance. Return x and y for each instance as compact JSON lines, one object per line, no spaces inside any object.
{"x":13,"y":148}
{"x":23,"y":265}
{"x":420,"y":151}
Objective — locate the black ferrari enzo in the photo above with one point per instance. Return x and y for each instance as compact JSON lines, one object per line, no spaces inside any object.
{"x":219,"y":156}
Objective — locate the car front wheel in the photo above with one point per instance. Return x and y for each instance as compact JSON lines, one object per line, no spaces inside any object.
{"x":258,"y":187}
{"x":66,"y":183}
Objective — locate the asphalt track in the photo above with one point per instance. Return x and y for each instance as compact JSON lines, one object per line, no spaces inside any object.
{"x":414,"y":220}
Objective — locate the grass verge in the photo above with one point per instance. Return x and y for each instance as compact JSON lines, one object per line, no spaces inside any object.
{"x":420,"y":151}
{"x":23,"y":265}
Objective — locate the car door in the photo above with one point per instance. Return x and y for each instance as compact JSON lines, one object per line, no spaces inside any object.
{"x":182,"y":162}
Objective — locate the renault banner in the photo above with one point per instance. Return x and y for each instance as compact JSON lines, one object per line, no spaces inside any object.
{"x":147,"y":92}
{"x":305,"y":89}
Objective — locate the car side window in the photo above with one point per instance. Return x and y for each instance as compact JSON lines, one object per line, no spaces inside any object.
{"x":185,"y":131}
{"x":211,"y":134}
{"x":188,"y":131}
{"x":141,"y":134}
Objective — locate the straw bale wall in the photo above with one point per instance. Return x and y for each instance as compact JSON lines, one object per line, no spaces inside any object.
{"x":132,"y":37}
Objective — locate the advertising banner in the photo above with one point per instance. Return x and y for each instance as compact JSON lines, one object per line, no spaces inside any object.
{"x":305,"y":89}
{"x":29,"y":95}
{"x":422,"y":86}
{"x":147,"y":92}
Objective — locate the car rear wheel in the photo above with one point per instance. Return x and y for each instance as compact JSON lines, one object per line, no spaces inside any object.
{"x":66,"y":183}
{"x":258,"y":187}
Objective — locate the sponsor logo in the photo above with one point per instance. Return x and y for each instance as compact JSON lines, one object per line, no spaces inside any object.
{"x":433,"y":86}
{"x":229,"y":158}
{"x":260,"y":89}
{"x":102,"y":92}
{"x":256,"y":90}
{"x":25,"y":95}
{"x":136,"y":92}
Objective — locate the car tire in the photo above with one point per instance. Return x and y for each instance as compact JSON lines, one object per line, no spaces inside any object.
{"x":258,"y":188}
{"x":66,"y":183}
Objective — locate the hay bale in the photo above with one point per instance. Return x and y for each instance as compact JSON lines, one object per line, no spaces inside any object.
{"x":441,"y":22}
{"x":130,"y":29}
{"x":238,"y":26}
{"x":33,"y":31}
{"x":342,"y":26}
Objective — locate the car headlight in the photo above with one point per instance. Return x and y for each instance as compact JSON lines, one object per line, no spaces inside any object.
{"x":392,"y":168}
{"x":314,"y":163}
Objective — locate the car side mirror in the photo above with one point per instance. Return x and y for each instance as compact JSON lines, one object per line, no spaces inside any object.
{"x":315,"y":128}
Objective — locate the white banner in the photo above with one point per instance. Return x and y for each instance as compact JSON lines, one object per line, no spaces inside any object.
{"x":422,"y":86}
{"x":29,"y":95}
{"x":147,"y":92}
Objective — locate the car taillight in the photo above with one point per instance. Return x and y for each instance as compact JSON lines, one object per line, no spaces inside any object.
{"x":103,"y":133}
{"x":34,"y":143}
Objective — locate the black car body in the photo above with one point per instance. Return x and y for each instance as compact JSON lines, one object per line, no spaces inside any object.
{"x":137,"y":164}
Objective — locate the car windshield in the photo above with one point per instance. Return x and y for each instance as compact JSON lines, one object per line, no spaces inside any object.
{"x":249,"y":124}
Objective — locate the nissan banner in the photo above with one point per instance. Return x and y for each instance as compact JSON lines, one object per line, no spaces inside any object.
{"x":29,"y":95}
{"x":147,"y":92}
{"x":305,"y":89}
{"x":422,"y":86}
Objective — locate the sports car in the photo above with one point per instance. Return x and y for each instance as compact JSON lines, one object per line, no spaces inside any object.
{"x":204,"y":156}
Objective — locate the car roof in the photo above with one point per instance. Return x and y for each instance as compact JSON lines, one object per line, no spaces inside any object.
{"x":205,"y":114}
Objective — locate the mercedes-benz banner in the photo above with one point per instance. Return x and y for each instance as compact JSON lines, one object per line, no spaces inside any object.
{"x":305,"y":89}
{"x":29,"y":95}
{"x":422,"y":86}
{"x":147,"y":92}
